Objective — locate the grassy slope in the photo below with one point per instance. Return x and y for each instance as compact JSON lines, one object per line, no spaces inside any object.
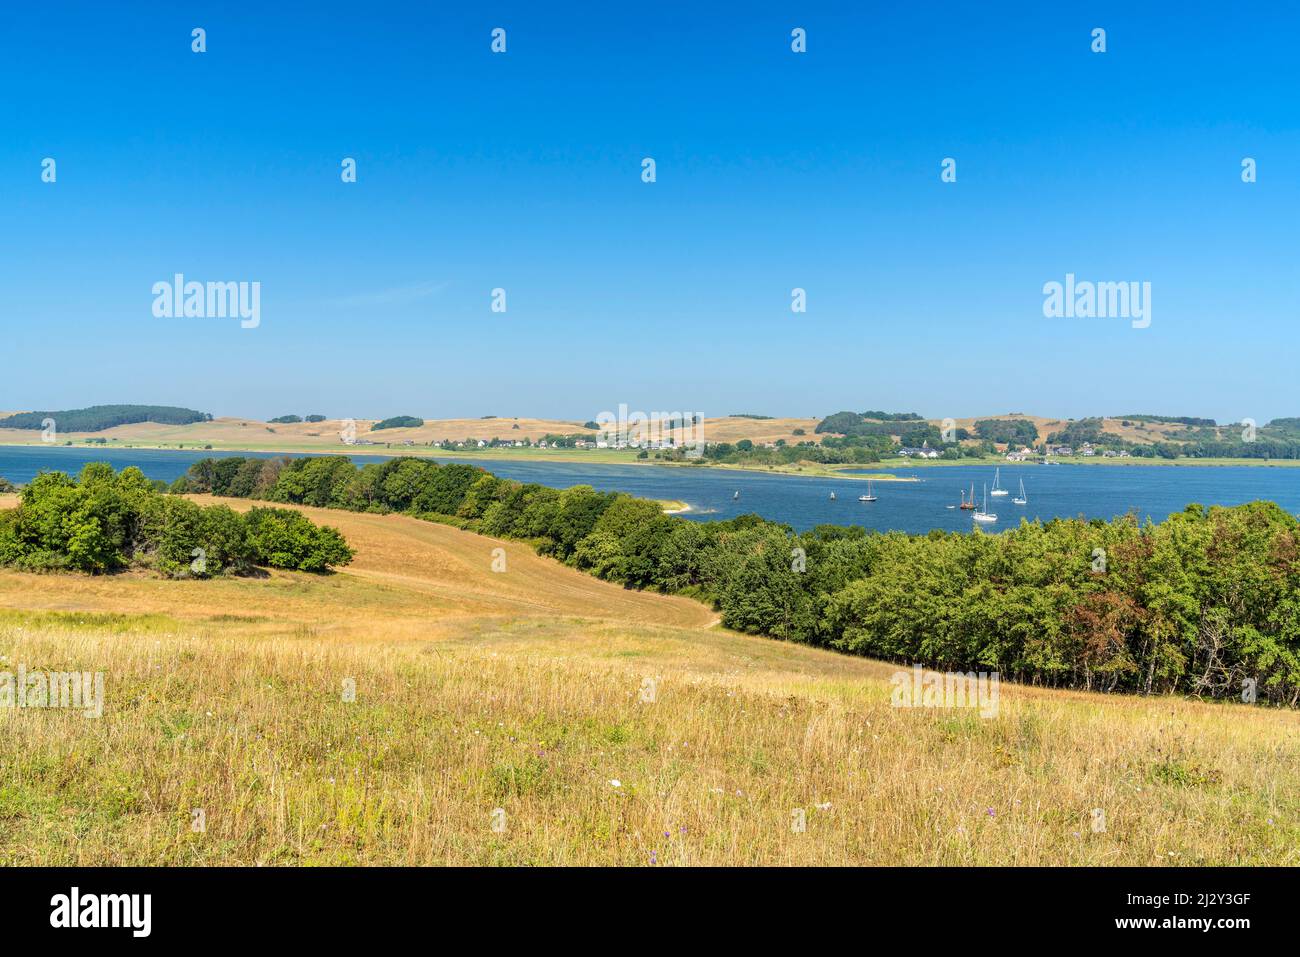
{"x":520,"y":690}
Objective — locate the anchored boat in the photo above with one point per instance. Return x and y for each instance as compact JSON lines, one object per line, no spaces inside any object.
{"x":968,"y":505}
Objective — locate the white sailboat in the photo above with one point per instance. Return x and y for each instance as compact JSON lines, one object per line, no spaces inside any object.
{"x":832,"y":496}
{"x":997,"y":487}
{"x":868,"y":497}
{"x":984,"y":515}
{"x":1021,"y":499}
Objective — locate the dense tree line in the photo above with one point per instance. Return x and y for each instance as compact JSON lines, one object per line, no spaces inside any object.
{"x":868,"y":443}
{"x":833,"y":450}
{"x":1174,"y":419}
{"x":1200,"y":440}
{"x":398,"y":422}
{"x":1195,"y":604}
{"x":1263,"y":447}
{"x":103,"y":521}
{"x":96,"y":418}
{"x":791,"y":454}
{"x":865,"y":423}
{"x":1078,"y":432}
{"x":292,"y":419}
{"x":1008,"y":431}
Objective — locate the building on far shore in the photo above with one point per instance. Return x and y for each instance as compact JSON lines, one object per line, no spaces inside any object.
{"x":924,"y":452}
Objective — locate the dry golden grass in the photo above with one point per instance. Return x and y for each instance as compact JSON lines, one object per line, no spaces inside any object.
{"x":1142,"y":431}
{"x":734,"y":428}
{"x":234,"y":433}
{"x":521,"y":690}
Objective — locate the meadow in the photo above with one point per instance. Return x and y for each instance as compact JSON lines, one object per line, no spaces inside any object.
{"x":537,"y":715}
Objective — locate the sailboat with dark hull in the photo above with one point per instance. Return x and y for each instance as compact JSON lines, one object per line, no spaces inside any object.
{"x":968,"y":504}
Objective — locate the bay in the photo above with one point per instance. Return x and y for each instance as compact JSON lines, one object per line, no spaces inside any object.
{"x":1091,"y":491}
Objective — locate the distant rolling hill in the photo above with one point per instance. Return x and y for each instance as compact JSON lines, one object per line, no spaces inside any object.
{"x":97,"y":418}
{"x":153,"y":425}
{"x":237,"y":432}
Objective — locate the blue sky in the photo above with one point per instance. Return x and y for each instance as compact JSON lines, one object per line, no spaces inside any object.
{"x":775,"y":170}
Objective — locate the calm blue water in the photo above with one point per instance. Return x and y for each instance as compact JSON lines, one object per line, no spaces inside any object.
{"x":916,"y":507}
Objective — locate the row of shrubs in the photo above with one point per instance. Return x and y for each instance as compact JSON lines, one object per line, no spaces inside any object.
{"x":1206,"y":602}
{"x":104,"y":521}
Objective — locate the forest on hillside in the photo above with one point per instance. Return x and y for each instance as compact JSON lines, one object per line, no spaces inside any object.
{"x":96,"y":418}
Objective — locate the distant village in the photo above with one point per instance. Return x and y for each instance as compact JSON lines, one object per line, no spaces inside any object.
{"x":1025,"y":453}
{"x":551,"y":442}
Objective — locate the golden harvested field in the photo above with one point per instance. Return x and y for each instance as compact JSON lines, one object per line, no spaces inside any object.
{"x":1148,"y":431}
{"x":237,"y":433}
{"x":735,"y":428}
{"x":233,"y":432}
{"x":523,"y":691}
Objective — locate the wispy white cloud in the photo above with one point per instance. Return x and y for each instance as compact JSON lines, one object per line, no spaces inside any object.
{"x":395,"y":296}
